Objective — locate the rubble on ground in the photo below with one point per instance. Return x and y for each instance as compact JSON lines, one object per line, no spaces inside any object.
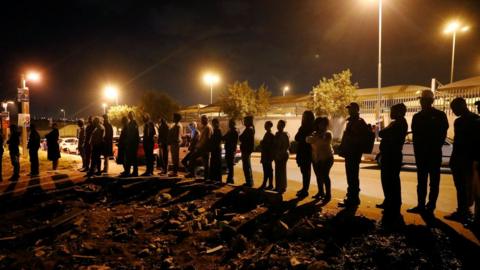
{"x":196,"y":225}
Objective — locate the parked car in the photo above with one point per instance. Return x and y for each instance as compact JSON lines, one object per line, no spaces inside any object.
{"x":409,"y":154}
{"x":140,"y":151}
{"x":69,"y":145}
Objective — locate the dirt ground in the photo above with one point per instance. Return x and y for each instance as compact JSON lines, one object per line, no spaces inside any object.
{"x":162,"y":223}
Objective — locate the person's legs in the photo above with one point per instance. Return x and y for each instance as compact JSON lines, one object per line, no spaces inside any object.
{"x":174,"y":151}
{"x":206,"y":165}
{"x":81,"y":151}
{"x":148,"y":149}
{"x":352,"y":166}
{"x":14,"y":159}
{"x":459,"y":181}
{"x":230,"y":159}
{"x":306,"y":170}
{"x":422,"y":178}
{"x":396,"y":189}
{"x":247,"y":169}
{"x":325,"y":167}
{"x":385,"y":178}
{"x":283,"y":176}
{"x":165,"y":157}
{"x":105,"y":163}
{"x":88,"y":156}
{"x":34,"y":165}
{"x":320,"y":184}
{"x":434,"y":170}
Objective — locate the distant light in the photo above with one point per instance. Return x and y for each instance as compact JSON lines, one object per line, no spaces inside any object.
{"x":110,"y":91}
{"x":33,"y":76}
{"x":211,"y":78}
{"x":62,"y":110}
{"x":455,"y":26}
{"x":286,"y":88}
{"x":465,"y":28}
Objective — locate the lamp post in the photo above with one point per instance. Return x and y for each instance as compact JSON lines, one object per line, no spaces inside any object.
{"x":104,"y":105}
{"x":111,"y":92}
{"x":452,"y":28}
{"x":34,"y":77}
{"x":379,"y":71}
{"x":286,"y":88}
{"x":211,"y":79}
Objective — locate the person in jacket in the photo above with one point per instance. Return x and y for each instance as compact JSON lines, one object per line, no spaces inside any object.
{"x":163,"y":145}
{"x":174,"y":140}
{"x":391,"y":145}
{"x":133,"y":140}
{"x":148,"y":144}
{"x":195,"y":136}
{"x":33,"y":146}
{"x":107,"y":143}
{"x":247,"y":141}
{"x":87,"y":147}
{"x":97,"y":144}
{"x":267,"y":148}
{"x":351,"y":148}
{"x":1,"y":154}
{"x":322,"y":157}
{"x":81,"y":143}
{"x":429,"y":129}
{"x":474,"y":223}
{"x":122,"y":148}
{"x":231,"y":142}
{"x":304,"y":151}
{"x":202,"y":150}
{"x":281,"y":145}
{"x":53,"y":148}
{"x":13,"y":147}
{"x":462,"y":159}
{"x":216,"y":152}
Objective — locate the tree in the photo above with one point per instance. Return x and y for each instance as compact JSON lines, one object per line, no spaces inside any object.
{"x":159,"y":105}
{"x":115,"y":114}
{"x":240,"y":100}
{"x":332,"y":95}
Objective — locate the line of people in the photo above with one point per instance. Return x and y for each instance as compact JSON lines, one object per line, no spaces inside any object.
{"x":33,"y":145}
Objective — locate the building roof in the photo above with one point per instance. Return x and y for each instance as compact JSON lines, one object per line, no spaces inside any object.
{"x":466,"y":83}
{"x":390,"y":90}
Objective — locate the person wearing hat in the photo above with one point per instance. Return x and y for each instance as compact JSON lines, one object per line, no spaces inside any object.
{"x":461,"y":161}
{"x":429,"y":129}
{"x":351,"y":148}
{"x":391,"y":145}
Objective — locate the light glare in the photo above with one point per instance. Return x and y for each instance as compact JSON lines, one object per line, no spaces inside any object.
{"x":33,"y":76}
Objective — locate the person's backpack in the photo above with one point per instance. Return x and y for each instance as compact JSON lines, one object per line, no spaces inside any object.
{"x":368,"y":139}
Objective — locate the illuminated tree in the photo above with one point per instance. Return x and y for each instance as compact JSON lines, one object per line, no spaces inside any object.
{"x":240,"y":100}
{"x":159,"y":104}
{"x":332,"y":95}
{"x":115,"y":114}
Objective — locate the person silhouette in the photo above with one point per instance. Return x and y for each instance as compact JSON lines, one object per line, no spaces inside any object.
{"x":281,"y":146}
{"x":1,"y":154}
{"x":148,"y":143}
{"x":174,"y":139}
{"x":53,"y":148}
{"x":33,"y":146}
{"x":163,"y":145}
{"x":391,"y":145}
{"x":304,"y":151}
{"x":267,"y":149}
{"x":202,"y":150}
{"x":107,"y":143}
{"x":231,"y":142}
{"x":429,"y":129}
{"x":97,"y":143}
{"x":132,"y":142}
{"x":122,"y":157}
{"x":86,"y":146}
{"x":216,"y":152}
{"x":247,"y":141}
{"x":475,"y":222}
{"x":81,"y":143}
{"x":13,"y":147}
{"x":462,"y":158}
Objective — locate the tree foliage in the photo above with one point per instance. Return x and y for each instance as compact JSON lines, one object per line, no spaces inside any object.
{"x":159,"y":105}
{"x":240,"y":100}
{"x":332,"y":95}
{"x":115,"y":114}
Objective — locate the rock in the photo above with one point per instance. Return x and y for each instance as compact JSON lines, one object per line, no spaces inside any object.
{"x":318,"y":265}
{"x":294,"y":262}
{"x":144,"y":253}
{"x":200,"y":210}
{"x":215,"y":249}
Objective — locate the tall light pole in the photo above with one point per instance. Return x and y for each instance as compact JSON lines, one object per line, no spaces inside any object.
{"x":286,"y":88}
{"x":111,"y":92}
{"x":211,"y":79}
{"x":452,"y":28}
{"x":25,"y":100}
{"x":104,"y":105}
{"x":379,"y":82}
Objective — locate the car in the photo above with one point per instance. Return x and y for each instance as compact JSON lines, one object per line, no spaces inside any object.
{"x":140,"y":151}
{"x":409,"y":154}
{"x":69,"y":145}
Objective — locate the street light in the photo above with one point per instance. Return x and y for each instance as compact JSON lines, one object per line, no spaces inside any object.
{"x":30,"y":76}
{"x":286,"y":88}
{"x":104,"y":105}
{"x":63,"y":111}
{"x":452,"y":28}
{"x":211,"y":79}
{"x":111,"y":92}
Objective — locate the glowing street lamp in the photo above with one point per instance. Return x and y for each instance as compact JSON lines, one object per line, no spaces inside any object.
{"x":30,"y":76}
{"x":211,"y":79}
{"x":104,"y":105}
{"x":452,"y":28}
{"x":111,"y":92}
{"x":286,"y":88}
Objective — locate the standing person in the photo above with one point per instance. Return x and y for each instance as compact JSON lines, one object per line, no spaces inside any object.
{"x":247,"y":141}
{"x":33,"y":146}
{"x":391,"y":145}
{"x":231,"y":141}
{"x":97,"y":143}
{"x":475,"y":222}
{"x":429,"y":128}
{"x":53,"y":149}
{"x":148,"y":143}
{"x":1,"y":154}
{"x":351,"y":148}
{"x":107,"y":143}
{"x":202,"y":150}
{"x":304,"y":151}
{"x":122,"y":148}
{"x":81,"y":143}
{"x":13,"y":147}
{"x":322,"y":157}
{"x":461,"y":161}
{"x":86,"y":146}
{"x":132,"y":139}
{"x":216,"y":152}
{"x":267,"y":148}
{"x":163,"y":145}
{"x":174,"y":140}
{"x":281,"y":144}
{"x":195,"y":135}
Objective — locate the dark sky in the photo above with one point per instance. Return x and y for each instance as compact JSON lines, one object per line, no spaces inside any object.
{"x":79,"y":45}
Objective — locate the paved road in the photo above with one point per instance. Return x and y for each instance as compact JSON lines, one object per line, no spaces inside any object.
{"x":370,"y":183}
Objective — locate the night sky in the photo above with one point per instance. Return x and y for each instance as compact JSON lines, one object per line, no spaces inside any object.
{"x":166,"y":46}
